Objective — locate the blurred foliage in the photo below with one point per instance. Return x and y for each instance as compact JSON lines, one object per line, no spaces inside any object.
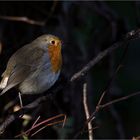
{"x":86,"y":28}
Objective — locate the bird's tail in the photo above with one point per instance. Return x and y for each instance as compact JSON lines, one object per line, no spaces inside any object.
{"x":3,"y":85}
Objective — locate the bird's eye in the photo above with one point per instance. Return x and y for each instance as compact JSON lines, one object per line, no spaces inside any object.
{"x":52,"y":42}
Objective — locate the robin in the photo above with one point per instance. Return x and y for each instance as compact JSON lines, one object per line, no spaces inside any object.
{"x":35,"y":67}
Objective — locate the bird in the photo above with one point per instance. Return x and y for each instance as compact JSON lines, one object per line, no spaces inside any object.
{"x":35,"y":67}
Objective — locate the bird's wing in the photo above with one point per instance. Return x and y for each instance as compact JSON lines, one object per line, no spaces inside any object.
{"x":18,"y":70}
{"x":18,"y":74}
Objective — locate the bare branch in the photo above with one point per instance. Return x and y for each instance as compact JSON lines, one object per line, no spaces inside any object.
{"x":87,"y":111}
{"x":134,"y":34}
{"x":23,"y":19}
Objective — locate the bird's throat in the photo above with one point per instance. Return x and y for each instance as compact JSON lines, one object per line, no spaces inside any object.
{"x":55,"y":57}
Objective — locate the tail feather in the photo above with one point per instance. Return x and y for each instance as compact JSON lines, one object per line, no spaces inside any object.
{"x":8,"y":88}
{"x":3,"y":82}
{"x":3,"y":85}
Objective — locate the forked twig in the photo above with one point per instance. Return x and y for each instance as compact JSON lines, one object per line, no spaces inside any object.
{"x":44,"y":123}
{"x":50,"y":124}
{"x":34,"y":123}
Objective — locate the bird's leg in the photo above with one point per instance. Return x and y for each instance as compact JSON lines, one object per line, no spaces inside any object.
{"x":20,"y":99}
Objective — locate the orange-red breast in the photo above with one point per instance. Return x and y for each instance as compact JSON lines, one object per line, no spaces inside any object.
{"x":35,"y":67}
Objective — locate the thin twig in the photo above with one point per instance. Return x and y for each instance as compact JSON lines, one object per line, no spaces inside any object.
{"x":114,"y":74}
{"x":104,"y":92}
{"x":118,"y":100}
{"x":64,"y":121}
{"x":34,"y":123}
{"x":42,"y":123}
{"x":52,"y":10}
{"x":99,"y":107}
{"x":50,"y":124}
{"x":87,"y":111}
{"x":23,"y":19}
{"x":20,"y":99}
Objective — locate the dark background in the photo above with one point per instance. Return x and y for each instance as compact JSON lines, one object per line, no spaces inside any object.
{"x":86,"y":28}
